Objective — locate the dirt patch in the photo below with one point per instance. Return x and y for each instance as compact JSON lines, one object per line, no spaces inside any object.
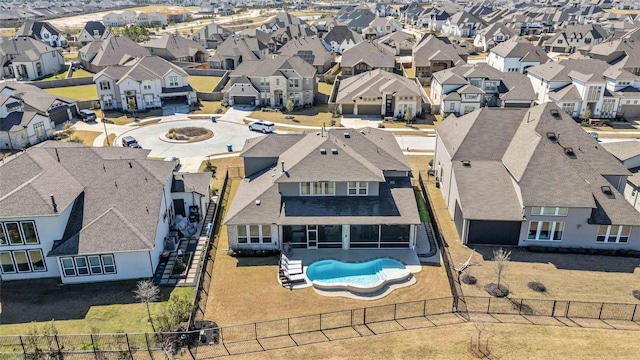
{"x":496,"y":290}
{"x":189,"y":134}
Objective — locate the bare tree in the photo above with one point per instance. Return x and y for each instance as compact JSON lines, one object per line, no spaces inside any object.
{"x":146,"y":291}
{"x":289,"y":106}
{"x":68,"y":129}
{"x":501,"y":257}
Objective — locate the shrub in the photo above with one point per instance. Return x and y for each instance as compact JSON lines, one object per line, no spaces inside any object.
{"x":537,"y":286}
{"x":329,"y":79}
{"x":496,"y":290}
{"x":636,"y":294}
{"x":469,"y":279}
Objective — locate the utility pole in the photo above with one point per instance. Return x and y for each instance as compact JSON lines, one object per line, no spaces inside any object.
{"x":105,"y":131}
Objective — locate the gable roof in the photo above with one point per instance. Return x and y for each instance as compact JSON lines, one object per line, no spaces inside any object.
{"x":375,"y":83}
{"x":34,"y":29}
{"x":176,"y":45}
{"x":92,"y":27}
{"x":273,"y":66}
{"x":369,"y":53}
{"x":522,"y":50}
{"x":623,"y":150}
{"x":310,"y":49}
{"x":145,"y":68}
{"x":341,"y":33}
{"x":564,"y":70}
{"x":430,"y":46}
{"x":112,"y":50}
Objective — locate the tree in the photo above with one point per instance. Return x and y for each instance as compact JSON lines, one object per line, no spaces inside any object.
{"x":289,"y":106}
{"x":501,"y":257}
{"x":68,"y":129}
{"x":586,"y":114}
{"x":146,"y":291}
{"x":76,"y":139}
{"x":131,"y":104}
{"x":408,"y":115}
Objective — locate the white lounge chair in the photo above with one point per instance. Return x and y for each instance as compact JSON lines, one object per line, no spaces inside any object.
{"x":285,"y":259}
{"x":294,"y":278}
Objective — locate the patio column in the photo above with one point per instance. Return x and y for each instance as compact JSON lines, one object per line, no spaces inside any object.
{"x":346,"y":237}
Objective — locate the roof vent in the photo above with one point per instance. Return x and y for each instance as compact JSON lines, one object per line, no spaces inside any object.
{"x":258,"y":202}
{"x":466,"y":163}
{"x":607,"y":190}
{"x":323,"y":151}
{"x":552,"y":136}
{"x":555,"y":113}
{"x":347,"y":135}
{"x":569,"y":151}
{"x":334,"y":151}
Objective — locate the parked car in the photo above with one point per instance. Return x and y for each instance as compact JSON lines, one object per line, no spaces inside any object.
{"x":87,"y":115}
{"x":262,"y":126}
{"x":130,"y":141}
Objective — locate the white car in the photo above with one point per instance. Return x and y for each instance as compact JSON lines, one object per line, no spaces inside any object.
{"x":262,"y":126}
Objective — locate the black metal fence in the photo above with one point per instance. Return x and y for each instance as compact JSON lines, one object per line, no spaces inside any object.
{"x":301,"y":330}
{"x":209,"y":254}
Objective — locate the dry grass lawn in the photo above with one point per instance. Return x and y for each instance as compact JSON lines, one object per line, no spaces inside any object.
{"x":506,"y":342}
{"x":325,"y":88}
{"x":316,"y":116}
{"x":80,"y":92}
{"x":81,"y":73}
{"x":410,"y":72}
{"x":240,"y":284}
{"x":222,"y":165}
{"x":87,"y":137}
{"x":203,"y":83}
{"x":209,"y":107}
{"x":566,"y":276}
{"x":108,"y":141}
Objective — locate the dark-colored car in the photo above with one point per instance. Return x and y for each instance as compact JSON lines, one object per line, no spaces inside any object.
{"x":130,"y":141}
{"x":87,"y":115}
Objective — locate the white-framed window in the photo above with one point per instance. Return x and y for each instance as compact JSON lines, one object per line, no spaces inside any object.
{"x":148,"y":100}
{"x":21,"y":261}
{"x":293,"y":82}
{"x":173,"y":81}
{"x":146,"y":84}
{"x":18,"y":233}
{"x":490,"y":85}
{"x":254,"y":234}
{"x":88,"y":265}
{"x":568,"y":108}
{"x":549,"y":211}
{"x":545,"y":230}
{"x":357,"y":188}
{"x":452,"y":107}
{"x":105,"y":85}
{"x":594,"y":93}
{"x":613,"y":233}
{"x":321,"y":188}
{"x":107,"y":100}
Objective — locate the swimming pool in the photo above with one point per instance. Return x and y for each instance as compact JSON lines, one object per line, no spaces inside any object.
{"x":357,"y":277}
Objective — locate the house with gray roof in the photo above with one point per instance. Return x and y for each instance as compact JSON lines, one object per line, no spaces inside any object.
{"x":463,"y":89}
{"x":628,"y":153}
{"x":380,"y":27}
{"x":272,"y":82}
{"x":26,"y":58}
{"x":58,"y":109}
{"x":114,"y":50}
{"x":93,"y":31}
{"x":341,"y":38}
{"x":148,"y":81}
{"x":236,"y":49}
{"x":173,"y":47}
{"x":367,"y":56}
{"x":516,"y":55}
{"x":532,"y":177}
{"x":21,"y":127}
{"x":576,"y":37}
{"x":43,"y":31}
{"x":491,"y":36}
{"x":211,"y":35}
{"x":280,"y":21}
{"x":462,"y":24}
{"x":356,"y":18}
{"x":431,"y":54}
{"x":85,"y":214}
{"x":400,"y":42}
{"x":312,"y":50}
{"x":380,"y":92}
{"x":341,"y":188}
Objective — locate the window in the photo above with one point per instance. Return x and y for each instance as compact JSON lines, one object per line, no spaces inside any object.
{"x":36,"y":259}
{"x":452,"y":107}
{"x":6,"y":263}
{"x":88,"y":265}
{"x":29,"y":232}
{"x":22,"y":261}
{"x":39,"y":129}
{"x":148,"y":100}
{"x":549,"y":211}
{"x":146,"y":84}
{"x":14,"y":233}
{"x":105,"y":85}
{"x":490,"y":85}
{"x":613,"y":233}
{"x":568,"y":108}
{"x":242,"y":234}
{"x":559,"y":41}
{"x":545,"y":230}
{"x":258,"y":234}
{"x":293,"y":82}
{"x":587,"y":41}
{"x":594,"y":93}
{"x":254,"y":232}
{"x":107,"y":100}
{"x":173,"y":81}
{"x":13,"y":106}
{"x":357,"y":188}
{"x":317,"y":188}
{"x":18,"y":233}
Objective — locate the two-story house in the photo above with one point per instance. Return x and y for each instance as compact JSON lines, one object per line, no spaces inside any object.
{"x":26,"y":58}
{"x":516,"y":55}
{"x":97,"y":55}
{"x":272,"y":82}
{"x":491,"y":36}
{"x":83,"y":214}
{"x":628,"y":153}
{"x":576,"y":37}
{"x":57,"y":109}
{"x":367,"y":56}
{"x":340,"y":38}
{"x":380,"y":92}
{"x":432,"y":54}
{"x":211,"y":35}
{"x":19,"y":127}
{"x":149,"y":81}
{"x":400,"y":42}
{"x":280,"y":21}
{"x":342,"y":188}
{"x":462,"y":24}
{"x":380,"y":27}
{"x":312,"y":50}
{"x":173,"y":47}
{"x":540,"y":180}
{"x":43,"y":31}
{"x":236,"y":49}
{"x":93,"y":31}
{"x":463,"y":89}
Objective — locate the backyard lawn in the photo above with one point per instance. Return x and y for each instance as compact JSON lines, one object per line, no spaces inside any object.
{"x":410,"y":73}
{"x":77,"y":309}
{"x":203,"y":83}
{"x":222,"y":165}
{"x":316,"y":116}
{"x":239,"y":284}
{"x":80,"y":92}
{"x":325,"y":88}
{"x":81,"y":73}
{"x":87,"y":137}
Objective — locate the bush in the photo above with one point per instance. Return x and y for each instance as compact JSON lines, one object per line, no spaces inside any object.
{"x":329,"y":79}
{"x":469,"y":279}
{"x":176,"y":312}
{"x":537,"y":286}
{"x":496,"y":291}
{"x":636,"y":294}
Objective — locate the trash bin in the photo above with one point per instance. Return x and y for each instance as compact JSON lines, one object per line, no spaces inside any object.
{"x":229,"y":148}
{"x":213,"y":119}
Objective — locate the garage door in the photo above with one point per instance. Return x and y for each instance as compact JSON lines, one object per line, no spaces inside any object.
{"x":347,"y":109}
{"x":244,"y":100}
{"x":630,"y":112}
{"x":369,"y":109}
{"x":59,"y":115}
{"x":485,"y":232}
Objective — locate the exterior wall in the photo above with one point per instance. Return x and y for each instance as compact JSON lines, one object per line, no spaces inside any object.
{"x":129,"y":265}
{"x":275,"y":244}
{"x":444,"y":173}
{"x":634,"y":162}
{"x":632,"y":194}
{"x":162,"y":228}
{"x":255,"y":164}
{"x":293,"y":189}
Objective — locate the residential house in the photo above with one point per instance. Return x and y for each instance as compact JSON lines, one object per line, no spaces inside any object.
{"x":114,"y":50}
{"x":409,"y":14}
{"x":312,"y":50}
{"x":432,"y":54}
{"x":433,"y":19}
{"x":152,"y":18}
{"x":177,"y":16}
{"x":357,"y":19}
{"x":628,"y":153}
{"x":176,"y":48}
{"x":126,"y":17}
{"x":19,"y":127}
{"x":42,"y":31}
{"x":26,"y":58}
{"x":367,"y":56}
{"x":272,"y":82}
{"x":491,"y":36}
{"x":461,"y":24}
{"x":532,"y":177}
{"x":323,"y":25}
{"x":516,"y":56}
{"x":236,"y":49}
{"x":342,"y":189}
{"x":211,"y":35}
{"x":281,"y":36}
{"x":576,"y":37}
{"x":577,"y":85}
{"x":380,"y":27}
{"x":56,"y":108}
{"x":149,"y":81}
{"x":341,"y":38}
{"x":588,"y":14}
{"x":400,"y":42}
{"x":465,"y":88}
{"x":383,"y":10}
{"x":280,"y":21}
{"x":226,"y":10}
{"x":380,"y":92}
{"x":89,"y":214}
{"x":93,"y":31}
{"x":624,"y":52}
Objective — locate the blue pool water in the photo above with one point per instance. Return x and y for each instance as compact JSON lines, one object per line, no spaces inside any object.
{"x":362,"y":274}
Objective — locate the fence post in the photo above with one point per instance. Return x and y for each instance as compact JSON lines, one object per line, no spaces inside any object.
{"x":24,"y":351}
{"x":601,"y":307}
{"x":289,"y":325}
{"x":93,"y":345}
{"x":520,"y":309}
{"x":365,"y":316}
{"x":566,"y":310}
{"x":424,"y":308}
{"x":126,"y":336}
{"x":634,"y":312}
{"x":395,"y":308}
{"x":320,"y":322}
{"x":255,"y":330}
{"x":146,"y":337}
{"x":553,"y":310}
{"x":489,"y":306}
{"x":55,"y":337}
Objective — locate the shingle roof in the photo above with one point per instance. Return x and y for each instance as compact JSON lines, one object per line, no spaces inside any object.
{"x":145,"y":68}
{"x":428,"y":45}
{"x":16,"y":120}
{"x":340,"y":33}
{"x":369,"y":53}
{"x":271,"y":66}
{"x":310,"y":48}
{"x":176,"y":45}
{"x":33,"y":96}
{"x":111,"y":51}
{"x":563,"y":70}
{"x":375,"y":83}
{"x":192,"y":182}
{"x":522,"y":50}
{"x":623,"y":150}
